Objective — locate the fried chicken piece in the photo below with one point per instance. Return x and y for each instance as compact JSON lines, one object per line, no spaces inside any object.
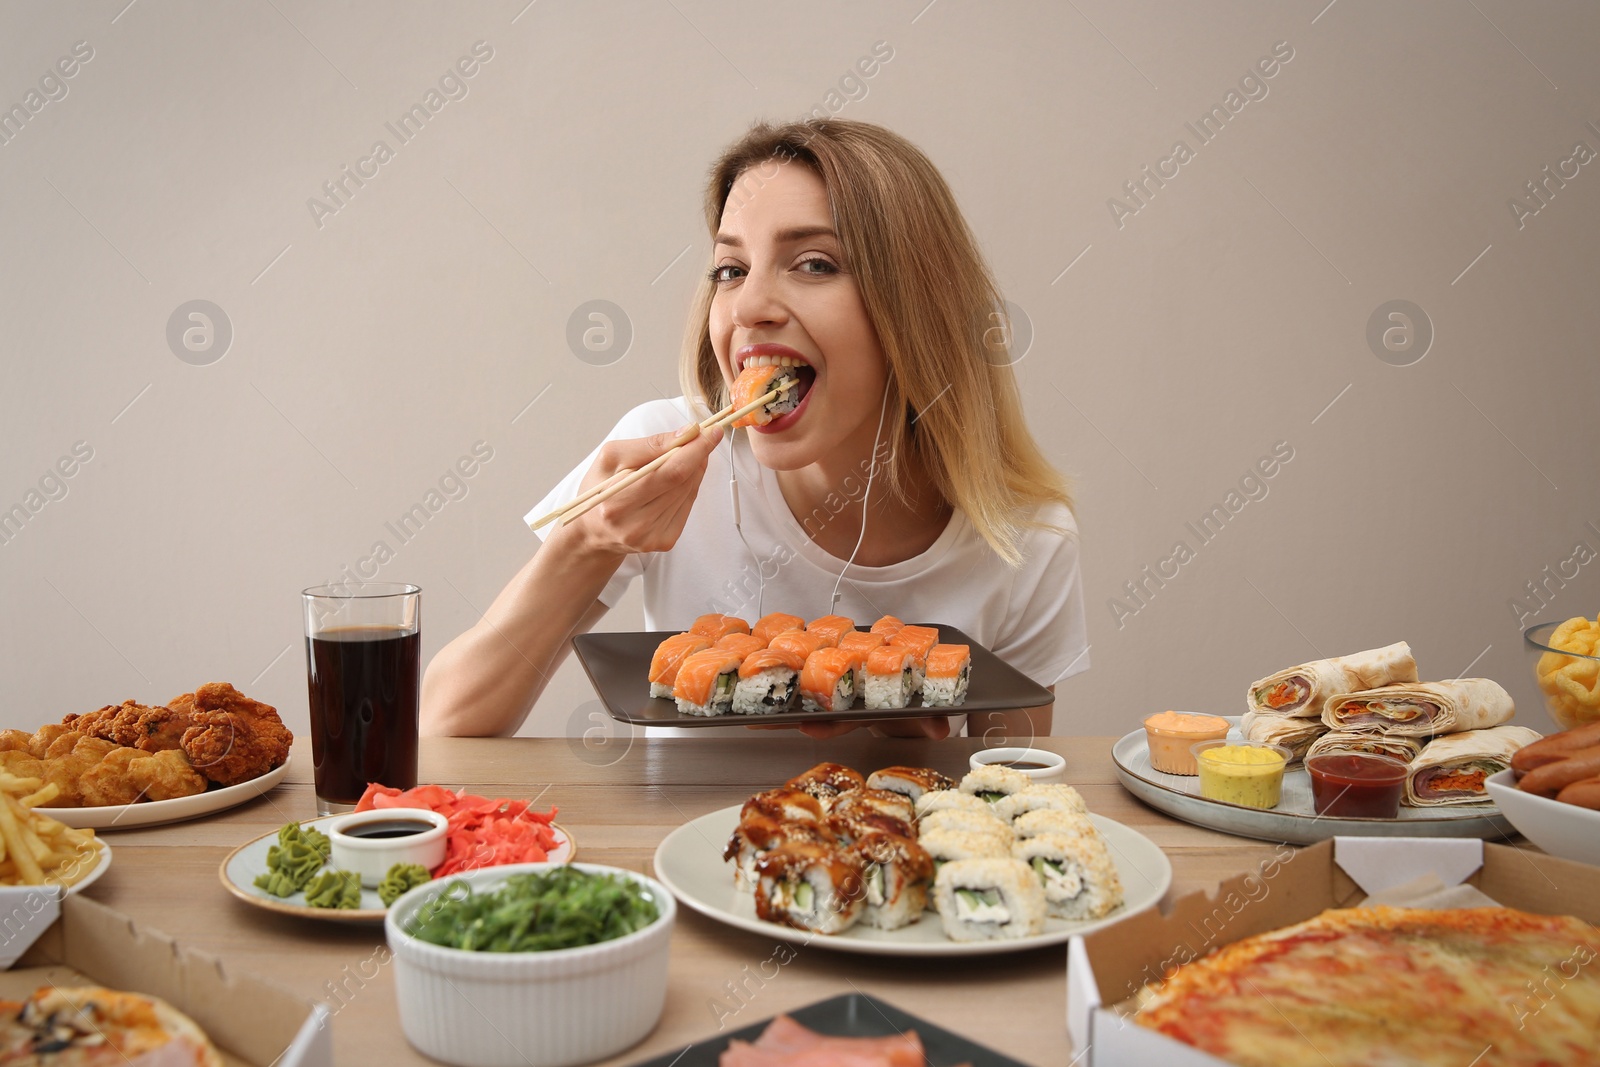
{"x":16,"y":741}
{"x":46,"y":735}
{"x":127,"y":775}
{"x":230,"y":738}
{"x":132,"y":725}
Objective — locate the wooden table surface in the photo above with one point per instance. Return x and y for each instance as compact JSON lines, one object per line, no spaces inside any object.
{"x":619,"y":805}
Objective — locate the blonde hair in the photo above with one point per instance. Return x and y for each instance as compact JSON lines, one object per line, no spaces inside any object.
{"x":953,"y":401}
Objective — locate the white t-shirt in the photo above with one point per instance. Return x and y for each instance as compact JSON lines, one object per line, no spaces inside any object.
{"x":1031,"y":616}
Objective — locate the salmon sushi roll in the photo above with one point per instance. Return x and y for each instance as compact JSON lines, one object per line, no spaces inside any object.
{"x":831,"y":627}
{"x":828,"y":680}
{"x":888,"y":626}
{"x":920,"y":640}
{"x":743,"y":644}
{"x":757,"y":379}
{"x":945,"y":677}
{"x":769,"y":626}
{"x":800,"y":642}
{"x":891,"y":677}
{"x":706,"y":681}
{"x":862,"y":641}
{"x":669,"y":656}
{"x":769,"y":681}
{"x":715,"y":627}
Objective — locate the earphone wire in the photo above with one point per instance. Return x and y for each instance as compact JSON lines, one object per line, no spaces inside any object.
{"x":866,"y":498}
{"x":733,"y":492}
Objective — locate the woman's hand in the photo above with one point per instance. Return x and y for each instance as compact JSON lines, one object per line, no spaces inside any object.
{"x":649,"y":515}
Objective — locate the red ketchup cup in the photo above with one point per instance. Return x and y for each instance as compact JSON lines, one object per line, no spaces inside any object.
{"x":1357,"y":785}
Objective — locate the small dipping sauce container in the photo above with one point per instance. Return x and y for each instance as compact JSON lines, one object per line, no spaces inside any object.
{"x":1357,"y":785}
{"x":1242,"y":772}
{"x":1039,"y":764}
{"x":1171,"y":734}
{"x":370,"y":842}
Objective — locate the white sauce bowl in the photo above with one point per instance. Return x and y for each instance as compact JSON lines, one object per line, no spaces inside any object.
{"x":1054,"y":769}
{"x":371,"y":857}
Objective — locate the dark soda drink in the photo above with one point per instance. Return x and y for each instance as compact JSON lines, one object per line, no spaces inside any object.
{"x":363,"y":684}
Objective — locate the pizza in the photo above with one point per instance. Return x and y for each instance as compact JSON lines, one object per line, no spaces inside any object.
{"x":88,"y":1027}
{"x":1393,"y":986}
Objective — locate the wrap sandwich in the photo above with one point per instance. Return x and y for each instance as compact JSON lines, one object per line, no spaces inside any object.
{"x":1301,"y":691}
{"x":1402,"y":748}
{"x":1422,"y":709}
{"x":1451,"y":769}
{"x":1296,"y":735}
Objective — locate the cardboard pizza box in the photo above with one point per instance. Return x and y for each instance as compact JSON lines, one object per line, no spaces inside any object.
{"x":1108,"y":967}
{"x":77,"y":941}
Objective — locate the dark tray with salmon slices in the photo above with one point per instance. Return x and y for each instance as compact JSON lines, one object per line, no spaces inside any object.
{"x":618,"y":665}
{"x":850,"y":1015}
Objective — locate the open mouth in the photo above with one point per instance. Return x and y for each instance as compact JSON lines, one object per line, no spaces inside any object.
{"x":786,"y":410}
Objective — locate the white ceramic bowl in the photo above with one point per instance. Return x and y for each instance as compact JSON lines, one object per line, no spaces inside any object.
{"x":529,"y":1009}
{"x":1564,"y":830}
{"x":371,"y":857}
{"x":1054,"y":769}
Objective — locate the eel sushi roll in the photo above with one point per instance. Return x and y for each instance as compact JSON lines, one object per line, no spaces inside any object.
{"x":1050,"y":796}
{"x":669,"y":656}
{"x":934,"y":800}
{"x":969,"y":822}
{"x":945,"y":677}
{"x":828,"y":681}
{"x":799,"y":642}
{"x":891,"y":677}
{"x":756,"y":835}
{"x":831,"y":628}
{"x":897,"y":875}
{"x":812,"y":886}
{"x":910,"y":781}
{"x":862,"y":641}
{"x":769,"y":681}
{"x":769,"y":626}
{"x":788,"y":804}
{"x":715,"y":627}
{"x":989,"y":899}
{"x":826,"y":781}
{"x":866,"y":798}
{"x":759,"y":378}
{"x":1051,"y":821}
{"x":888,"y":626}
{"x":862,"y":812}
{"x":706,"y":681}
{"x":1076,"y":873}
{"x":993,"y":782}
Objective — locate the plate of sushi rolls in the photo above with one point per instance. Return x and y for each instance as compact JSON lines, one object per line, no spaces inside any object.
{"x":723,"y":670}
{"x":907,"y":861}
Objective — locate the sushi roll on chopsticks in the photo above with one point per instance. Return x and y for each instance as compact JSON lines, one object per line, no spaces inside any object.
{"x":669,"y":656}
{"x":1075,"y":871}
{"x":759,"y":378}
{"x":891,"y":677}
{"x":945,"y":677}
{"x":769,"y":626}
{"x":989,"y":899}
{"x":706,"y":681}
{"x":897,"y":874}
{"x":769,"y":681}
{"x":828,"y":680}
{"x":812,"y":887}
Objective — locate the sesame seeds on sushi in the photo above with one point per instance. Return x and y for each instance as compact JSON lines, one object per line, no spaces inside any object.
{"x":993,"y":782}
{"x":989,"y":899}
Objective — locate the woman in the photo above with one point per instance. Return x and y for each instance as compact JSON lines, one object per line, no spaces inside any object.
{"x":905,"y":482}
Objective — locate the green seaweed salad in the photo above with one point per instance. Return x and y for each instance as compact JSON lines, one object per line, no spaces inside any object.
{"x":560,"y":908}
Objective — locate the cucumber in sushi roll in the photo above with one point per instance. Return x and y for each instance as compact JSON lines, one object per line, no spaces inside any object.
{"x":989,"y":900}
{"x":1074,"y":871}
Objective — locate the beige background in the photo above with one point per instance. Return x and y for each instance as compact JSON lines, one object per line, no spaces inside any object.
{"x":1227,"y":314}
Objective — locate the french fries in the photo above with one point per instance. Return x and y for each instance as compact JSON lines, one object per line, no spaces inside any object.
{"x":34,"y":848}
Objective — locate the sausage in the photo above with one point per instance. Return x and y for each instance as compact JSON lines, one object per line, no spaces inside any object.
{"x":1585,"y":794}
{"x":1556,"y":746}
{"x":1550,"y":779}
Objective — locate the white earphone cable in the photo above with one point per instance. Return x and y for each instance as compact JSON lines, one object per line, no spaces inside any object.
{"x":866,"y":498}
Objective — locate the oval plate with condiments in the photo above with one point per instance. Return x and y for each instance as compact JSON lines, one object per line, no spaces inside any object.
{"x":1294,"y":820}
{"x":245,"y":863}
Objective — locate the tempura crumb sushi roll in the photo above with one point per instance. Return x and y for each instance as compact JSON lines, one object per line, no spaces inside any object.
{"x":715,"y":627}
{"x":891,"y":677}
{"x":888,"y":626}
{"x":948,"y":846}
{"x":1051,"y":795}
{"x":911,"y":781}
{"x":945,"y":676}
{"x":989,"y":900}
{"x":742,"y":644}
{"x":760,"y":378}
{"x":769,"y":626}
{"x":706,"y":682}
{"x":759,"y":833}
{"x":897,"y":873}
{"x":828,"y":680}
{"x":831,"y":627}
{"x":669,"y":656}
{"x":788,"y":804}
{"x":769,"y":681}
{"x":1076,"y":873}
{"x":811,"y":887}
{"x":799,"y":642}
{"x":993,"y":782}
{"x":826,"y":781}
{"x":1051,"y":821}
{"x":977,"y":822}
{"x":862,"y":641}
{"x":946,"y":800}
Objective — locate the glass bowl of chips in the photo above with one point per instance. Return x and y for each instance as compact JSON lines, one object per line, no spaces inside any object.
{"x":1566,"y":665}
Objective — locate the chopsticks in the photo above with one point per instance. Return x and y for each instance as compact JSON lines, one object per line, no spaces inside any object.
{"x":627,"y":476}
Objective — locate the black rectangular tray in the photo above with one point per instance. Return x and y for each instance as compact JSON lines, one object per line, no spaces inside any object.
{"x":618,"y":665}
{"x":850,"y":1015}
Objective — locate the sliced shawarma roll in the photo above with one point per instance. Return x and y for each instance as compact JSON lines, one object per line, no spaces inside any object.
{"x":1422,"y":709}
{"x":1301,"y":690}
{"x":1451,"y":769}
{"x":1401,"y":748}
{"x":1294,"y":734}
